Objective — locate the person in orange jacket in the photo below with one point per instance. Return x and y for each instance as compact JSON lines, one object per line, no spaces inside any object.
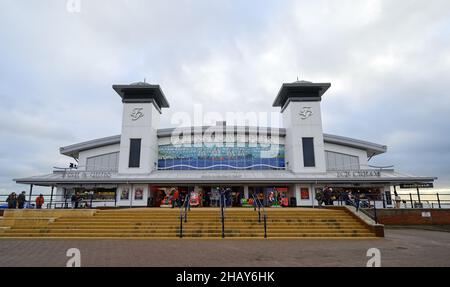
{"x":39,"y":201}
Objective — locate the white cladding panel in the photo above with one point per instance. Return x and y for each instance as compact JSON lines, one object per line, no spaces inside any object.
{"x":298,"y":128}
{"x":144,"y":128}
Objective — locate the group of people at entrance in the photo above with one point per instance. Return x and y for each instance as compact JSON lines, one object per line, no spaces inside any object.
{"x":327,"y":196}
{"x":216,"y":197}
{"x":15,"y":201}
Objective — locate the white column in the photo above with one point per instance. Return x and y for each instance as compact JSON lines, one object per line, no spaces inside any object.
{"x":131,"y":194}
{"x":297,"y":193}
{"x":246,"y":191}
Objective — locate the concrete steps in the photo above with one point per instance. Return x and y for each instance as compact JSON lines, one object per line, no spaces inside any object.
{"x":202,"y":223}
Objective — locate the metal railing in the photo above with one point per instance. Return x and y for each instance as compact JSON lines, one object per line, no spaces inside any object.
{"x":66,"y":203}
{"x":259,"y":204}
{"x":183,"y":213}
{"x":222,"y":211}
{"x":423,"y":200}
{"x":408,"y":200}
{"x":363,"y":208}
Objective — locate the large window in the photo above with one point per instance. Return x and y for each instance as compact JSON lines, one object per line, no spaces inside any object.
{"x":135,"y":153}
{"x":341,"y":161}
{"x":104,"y":162}
{"x":309,"y":159}
{"x":221,"y":157}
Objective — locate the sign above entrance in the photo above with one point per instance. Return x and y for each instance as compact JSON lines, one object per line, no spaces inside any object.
{"x":234,"y":176}
{"x":359,"y":173}
{"x":417,"y":185}
{"x":86,"y":174}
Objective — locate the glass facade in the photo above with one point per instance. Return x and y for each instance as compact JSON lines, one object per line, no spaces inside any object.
{"x":221,"y":157}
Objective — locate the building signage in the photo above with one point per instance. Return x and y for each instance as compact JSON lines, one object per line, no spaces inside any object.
{"x":417,"y":185}
{"x":305,"y":113}
{"x":86,"y":174}
{"x":359,"y":173}
{"x":137,"y":114}
{"x":234,"y":176}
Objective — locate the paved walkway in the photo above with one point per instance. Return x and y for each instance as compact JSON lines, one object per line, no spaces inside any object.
{"x":399,"y":248}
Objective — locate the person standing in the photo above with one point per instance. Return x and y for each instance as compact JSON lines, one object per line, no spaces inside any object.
{"x":12,"y":201}
{"x":326,"y":196}
{"x":75,"y":200}
{"x":207,"y":198}
{"x":319,"y":197}
{"x":39,"y":201}
{"x":21,"y":200}
{"x":176,"y":198}
{"x":357,"y":200}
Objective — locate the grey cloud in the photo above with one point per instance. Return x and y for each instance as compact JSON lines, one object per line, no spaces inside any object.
{"x":388,"y":62}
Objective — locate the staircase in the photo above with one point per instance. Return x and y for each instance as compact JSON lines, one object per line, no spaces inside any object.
{"x":201,"y":223}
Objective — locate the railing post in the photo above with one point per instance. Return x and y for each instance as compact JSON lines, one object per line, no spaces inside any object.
{"x":259,"y":213}
{"x":410,"y":199}
{"x":181,"y":225}
{"x":29,"y":198}
{"x":265,"y":226}
{"x":223,"y":217}
{"x":439,"y":200}
{"x":51,"y":198}
{"x":185,"y":212}
{"x":65,"y":197}
{"x":418,"y":195}
{"x":375,"y":211}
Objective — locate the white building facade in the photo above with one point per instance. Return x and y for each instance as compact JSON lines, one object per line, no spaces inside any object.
{"x":146,"y":164}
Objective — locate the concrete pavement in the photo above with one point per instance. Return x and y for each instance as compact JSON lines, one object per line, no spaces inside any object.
{"x":400,"y":247}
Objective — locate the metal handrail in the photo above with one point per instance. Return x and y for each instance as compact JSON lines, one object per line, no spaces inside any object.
{"x":259,"y":203}
{"x":358,"y":208}
{"x":222,"y":211}
{"x":183,"y":215}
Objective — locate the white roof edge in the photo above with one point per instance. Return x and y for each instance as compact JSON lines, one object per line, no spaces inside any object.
{"x":371,"y":148}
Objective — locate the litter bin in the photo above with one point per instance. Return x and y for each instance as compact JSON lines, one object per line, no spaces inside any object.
{"x":293,"y":201}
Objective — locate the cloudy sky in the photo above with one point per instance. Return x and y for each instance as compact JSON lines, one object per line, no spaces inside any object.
{"x":388,"y":63}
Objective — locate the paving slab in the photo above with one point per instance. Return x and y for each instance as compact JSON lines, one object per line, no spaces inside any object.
{"x":400,"y":247}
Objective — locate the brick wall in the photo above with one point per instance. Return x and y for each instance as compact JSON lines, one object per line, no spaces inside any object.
{"x":413,"y":216}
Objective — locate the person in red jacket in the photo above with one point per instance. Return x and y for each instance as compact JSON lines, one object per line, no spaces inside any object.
{"x":175,"y":198}
{"x":39,"y":201}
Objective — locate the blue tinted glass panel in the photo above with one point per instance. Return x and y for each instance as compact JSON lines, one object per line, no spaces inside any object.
{"x":218,"y":157}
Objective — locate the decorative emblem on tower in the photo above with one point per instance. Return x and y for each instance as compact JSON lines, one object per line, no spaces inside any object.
{"x":136,"y":114}
{"x":305,"y":113}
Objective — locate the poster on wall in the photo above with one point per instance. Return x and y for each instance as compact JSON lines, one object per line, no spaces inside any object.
{"x":304,"y":193}
{"x":125,"y":194}
{"x":139,"y":193}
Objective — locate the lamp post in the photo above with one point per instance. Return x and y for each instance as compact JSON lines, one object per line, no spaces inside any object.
{"x":91,"y":196}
